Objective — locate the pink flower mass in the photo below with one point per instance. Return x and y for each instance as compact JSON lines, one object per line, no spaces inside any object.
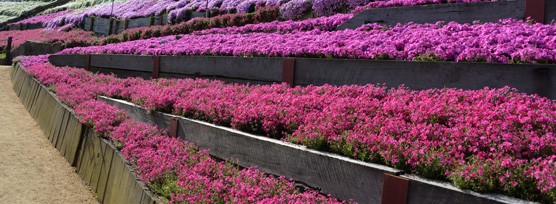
{"x":485,"y":140}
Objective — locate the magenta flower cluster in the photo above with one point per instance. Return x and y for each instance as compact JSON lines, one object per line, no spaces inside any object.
{"x":490,"y":140}
{"x":507,"y":41}
{"x":321,"y":23}
{"x":171,"y":167}
{"x":43,"y":18}
{"x":400,"y":3}
{"x":20,"y":36}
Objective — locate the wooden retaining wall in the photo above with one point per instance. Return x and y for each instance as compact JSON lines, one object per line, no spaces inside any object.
{"x":540,"y":10}
{"x":528,"y":78}
{"x":107,"y":26}
{"x":340,"y":176}
{"x":97,"y":161}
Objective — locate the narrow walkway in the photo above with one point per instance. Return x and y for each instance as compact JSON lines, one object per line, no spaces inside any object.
{"x":31,"y":169}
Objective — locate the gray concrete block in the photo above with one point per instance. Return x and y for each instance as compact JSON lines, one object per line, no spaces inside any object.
{"x":122,"y":73}
{"x":460,"y":12}
{"x":333,"y":174}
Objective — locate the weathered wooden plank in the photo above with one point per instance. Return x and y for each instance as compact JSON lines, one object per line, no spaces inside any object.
{"x":68,"y":60}
{"x":258,"y":68}
{"x":423,"y":190}
{"x":107,"y":156}
{"x":123,"y":62}
{"x":138,"y":22}
{"x":331,"y":173}
{"x":528,"y":78}
{"x":62,"y":131}
{"x":432,"y":13}
{"x":114,"y":180}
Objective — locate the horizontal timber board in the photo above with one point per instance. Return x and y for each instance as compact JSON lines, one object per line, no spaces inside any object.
{"x":92,"y":156}
{"x":527,"y":78}
{"x":342,"y":177}
{"x":432,"y":13}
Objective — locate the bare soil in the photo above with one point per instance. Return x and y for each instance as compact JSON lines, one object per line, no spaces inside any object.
{"x":31,"y":169}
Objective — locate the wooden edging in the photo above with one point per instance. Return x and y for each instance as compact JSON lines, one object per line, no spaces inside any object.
{"x":106,"y":26}
{"x":340,"y":176}
{"x":527,"y":78}
{"x":458,"y":12}
{"x":97,"y":161}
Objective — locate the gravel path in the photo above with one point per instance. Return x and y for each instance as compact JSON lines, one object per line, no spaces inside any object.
{"x":31,"y":169}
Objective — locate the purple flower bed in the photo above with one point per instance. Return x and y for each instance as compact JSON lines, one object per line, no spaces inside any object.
{"x":175,"y":169}
{"x":400,"y":3}
{"x":490,"y":140}
{"x":321,"y":23}
{"x":508,"y":41}
{"x":42,"y":18}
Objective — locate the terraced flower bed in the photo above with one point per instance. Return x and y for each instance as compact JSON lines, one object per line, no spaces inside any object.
{"x":491,"y":140}
{"x":508,"y":41}
{"x":66,"y":39}
{"x":172,"y":168}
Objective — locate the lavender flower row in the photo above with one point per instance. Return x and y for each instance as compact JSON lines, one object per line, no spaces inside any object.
{"x":400,"y":3}
{"x":322,"y":23}
{"x":508,"y":41}
{"x":43,"y":18}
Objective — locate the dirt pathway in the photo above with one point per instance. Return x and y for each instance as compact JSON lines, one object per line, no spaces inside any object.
{"x":31,"y":169}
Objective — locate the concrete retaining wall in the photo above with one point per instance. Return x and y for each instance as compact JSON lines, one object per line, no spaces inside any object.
{"x":97,"y":161}
{"x":528,"y":78}
{"x":342,"y":177}
{"x":460,"y":12}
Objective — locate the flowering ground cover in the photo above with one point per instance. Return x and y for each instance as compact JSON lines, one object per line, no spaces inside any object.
{"x":507,"y":41}
{"x":174,"y":169}
{"x":489,"y":140}
{"x":322,"y":23}
{"x":9,"y":10}
{"x":42,"y":18}
{"x":67,"y":39}
{"x":400,"y":3}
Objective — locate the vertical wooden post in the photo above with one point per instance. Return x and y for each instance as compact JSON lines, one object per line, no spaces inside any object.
{"x":151,"y":22}
{"x":535,"y":10}
{"x":288,"y":71}
{"x":92,"y":23}
{"x":126,"y":24}
{"x":394,"y":189}
{"x":116,"y":26}
{"x":173,"y":132}
{"x":9,"y":50}
{"x":88,"y":63}
{"x":156,"y":67}
{"x":161,"y":20}
{"x":110,"y":23}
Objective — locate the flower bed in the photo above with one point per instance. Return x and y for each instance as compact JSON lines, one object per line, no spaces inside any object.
{"x":321,"y":23}
{"x":508,"y":41}
{"x":491,"y":140}
{"x":67,"y":39}
{"x":13,"y":9}
{"x":400,"y":3}
{"x":42,"y":18}
{"x":172,"y":168}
